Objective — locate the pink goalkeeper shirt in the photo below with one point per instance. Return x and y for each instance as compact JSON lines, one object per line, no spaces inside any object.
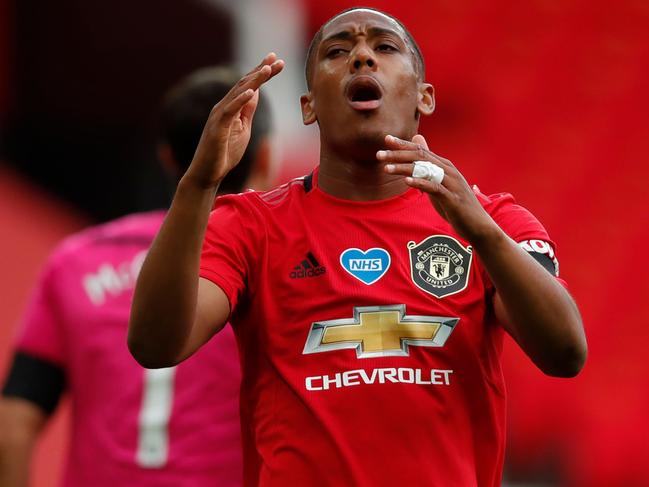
{"x":131,"y":426}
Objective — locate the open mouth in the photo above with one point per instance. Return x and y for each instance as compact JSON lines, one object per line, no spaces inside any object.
{"x":364,"y":93}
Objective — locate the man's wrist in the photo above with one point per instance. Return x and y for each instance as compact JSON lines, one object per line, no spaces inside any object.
{"x":192,"y":196}
{"x":491,"y":236}
{"x":191,"y":183}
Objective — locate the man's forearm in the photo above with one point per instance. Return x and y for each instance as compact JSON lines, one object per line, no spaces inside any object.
{"x":537,"y":311}
{"x":164,"y":304}
{"x":530,"y":303}
{"x":165,"y":301}
{"x":20,"y":424}
{"x":14,"y":463}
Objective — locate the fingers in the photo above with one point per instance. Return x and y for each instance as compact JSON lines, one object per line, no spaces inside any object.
{"x":396,"y":143}
{"x":401,"y":160}
{"x":418,"y":147}
{"x":276,"y":67}
{"x":233,"y":107}
{"x":262,"y":75}
{"x":268,"y":59}
{"x":266,"y":69}
{"x":254,"y":80}
{"x":248,"y":109}
{"x":399,"y":169}
{"x":427,"y":186}
{"x":411,"y":156}
{"x":246,"y":87}
{"x":407,"y":170}
{"x":269,"y":67}
{"x":420,"y":140}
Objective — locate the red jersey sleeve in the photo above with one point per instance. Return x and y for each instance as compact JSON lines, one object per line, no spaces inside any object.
{"x":228,"y":248}
{"x":517,"y":222}
{"x":41,"y":332}
{"x":521,"y":225}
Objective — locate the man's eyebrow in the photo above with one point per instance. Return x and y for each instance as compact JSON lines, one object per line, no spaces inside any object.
{"x":342,"y":35}
{"x":377,"y":31}
{"x":372,"y":31}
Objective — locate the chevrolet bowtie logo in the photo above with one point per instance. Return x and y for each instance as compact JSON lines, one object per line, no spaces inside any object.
{"x":379,"y":331}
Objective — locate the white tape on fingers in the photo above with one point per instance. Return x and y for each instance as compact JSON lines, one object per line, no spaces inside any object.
{"x":428,"y":170}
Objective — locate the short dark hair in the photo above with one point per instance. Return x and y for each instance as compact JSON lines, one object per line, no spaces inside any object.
{"x":317,"y":38}
{"x":185,"y":109}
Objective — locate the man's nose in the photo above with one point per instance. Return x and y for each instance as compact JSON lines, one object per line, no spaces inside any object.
{"x":363,"y":57}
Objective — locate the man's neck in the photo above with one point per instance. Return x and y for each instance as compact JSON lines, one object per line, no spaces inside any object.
{"x":357,"y":179}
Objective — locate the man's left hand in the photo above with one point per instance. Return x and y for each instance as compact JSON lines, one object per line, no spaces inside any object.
{"x":453,"y":199}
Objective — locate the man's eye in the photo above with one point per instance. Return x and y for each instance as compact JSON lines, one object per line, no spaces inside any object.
{"x":335,"y":52}
{"x":386,"y":47}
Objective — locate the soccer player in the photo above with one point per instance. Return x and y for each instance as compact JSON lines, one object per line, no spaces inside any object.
{"x":369,"y":305}
{"x":130,"y":426}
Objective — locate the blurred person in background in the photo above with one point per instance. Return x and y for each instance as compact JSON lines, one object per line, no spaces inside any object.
{"x":370,"y":331}
{"x":130,"y":426}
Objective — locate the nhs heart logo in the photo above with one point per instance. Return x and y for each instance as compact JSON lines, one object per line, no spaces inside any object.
{"x":367,"y":266}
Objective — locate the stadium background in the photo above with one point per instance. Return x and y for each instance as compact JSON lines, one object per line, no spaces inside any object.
{"x":545,"y":99}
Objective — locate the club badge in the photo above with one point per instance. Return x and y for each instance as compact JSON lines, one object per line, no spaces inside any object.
{"x":440,"y":265}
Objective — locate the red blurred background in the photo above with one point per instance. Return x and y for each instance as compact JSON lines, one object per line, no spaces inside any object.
{"x":545,"y":99}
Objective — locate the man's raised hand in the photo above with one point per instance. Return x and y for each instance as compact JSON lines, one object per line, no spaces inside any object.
{"x":453,"y":199}
{"x":227,"y":130}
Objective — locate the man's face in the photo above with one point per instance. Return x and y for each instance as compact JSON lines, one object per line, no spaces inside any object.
{"x":364,"y":82}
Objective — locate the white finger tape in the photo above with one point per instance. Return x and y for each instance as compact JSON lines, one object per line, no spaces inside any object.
{"x":428,"y":170}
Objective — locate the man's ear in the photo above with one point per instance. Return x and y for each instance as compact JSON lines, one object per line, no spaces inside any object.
{"x":426,"y":105}
{"x":308,"y":113}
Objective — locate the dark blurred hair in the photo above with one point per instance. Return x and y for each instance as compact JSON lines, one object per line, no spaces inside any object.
{"x":185,"y":109}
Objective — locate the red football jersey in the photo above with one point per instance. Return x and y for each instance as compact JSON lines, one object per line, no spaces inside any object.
{"x":369,"y":348}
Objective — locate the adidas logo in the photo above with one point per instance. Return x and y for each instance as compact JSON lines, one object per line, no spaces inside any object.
{"x":309,"y":267}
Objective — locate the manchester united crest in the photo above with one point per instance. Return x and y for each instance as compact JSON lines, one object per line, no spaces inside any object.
{"x":440,"y":265}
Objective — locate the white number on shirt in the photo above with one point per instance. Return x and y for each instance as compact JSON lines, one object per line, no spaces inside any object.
{"x":153,"y":422}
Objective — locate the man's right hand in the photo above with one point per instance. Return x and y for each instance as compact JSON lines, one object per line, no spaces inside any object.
{"x":172,"y":315}
{"x":227,"y":130}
